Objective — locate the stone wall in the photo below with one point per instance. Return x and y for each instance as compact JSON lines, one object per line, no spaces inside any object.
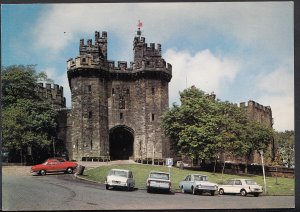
{"x":52,"y":93}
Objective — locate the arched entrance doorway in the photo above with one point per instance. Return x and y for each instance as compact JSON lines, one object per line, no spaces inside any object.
{"x":120,"y":143}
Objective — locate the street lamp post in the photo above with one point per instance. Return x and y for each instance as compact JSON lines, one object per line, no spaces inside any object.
{"x":263,"y":168}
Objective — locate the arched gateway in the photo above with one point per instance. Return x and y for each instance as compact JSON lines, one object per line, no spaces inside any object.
{"x":121,"y":139}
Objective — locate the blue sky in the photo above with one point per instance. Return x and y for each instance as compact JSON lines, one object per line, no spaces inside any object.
{"x":239,"y":51}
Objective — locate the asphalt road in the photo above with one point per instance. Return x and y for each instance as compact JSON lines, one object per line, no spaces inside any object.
{"x":65,"y":192}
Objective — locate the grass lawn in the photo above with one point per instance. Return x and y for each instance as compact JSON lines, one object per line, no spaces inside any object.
{"x":284,"y":186}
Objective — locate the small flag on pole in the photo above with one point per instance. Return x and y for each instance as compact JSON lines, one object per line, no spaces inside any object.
{"x":140,"y":24}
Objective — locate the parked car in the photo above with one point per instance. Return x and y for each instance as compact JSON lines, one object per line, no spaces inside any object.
{"x":197,"y":184}
{"x":240,"y":186}
{"x":120,"y":178}
{"x":158,"y":181}
{"x":54,"y":165}
{"x":180,"y":164}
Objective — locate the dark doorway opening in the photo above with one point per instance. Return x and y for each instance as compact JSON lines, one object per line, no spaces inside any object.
{"x":120,"y":143}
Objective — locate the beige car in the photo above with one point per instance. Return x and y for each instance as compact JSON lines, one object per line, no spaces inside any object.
{"x":158,"y":181}
{"x":240,"y":186}
{"x":120,"y":178}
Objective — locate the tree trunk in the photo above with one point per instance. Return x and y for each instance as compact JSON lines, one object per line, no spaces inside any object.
{"x":223,"y":171}
{"x":215,"y":165}
{"x":21,"y":154}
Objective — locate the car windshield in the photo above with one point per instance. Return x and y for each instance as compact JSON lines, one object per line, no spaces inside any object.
{"x":159,"y":176}
{"x":61,"y":160}
{"x":250,"y":182}
{"x":200,"y":178}
{"x":118,"y":173}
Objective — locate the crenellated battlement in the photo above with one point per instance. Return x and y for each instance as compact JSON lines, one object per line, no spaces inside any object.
{"x":258,"y":112}
{"x":53,"y":93}
{"x":143,"y":50}
{"x":92,"y":60}
{"x":85,"y":61}
{"x":98,"y":49}
{"x":256,"y":105}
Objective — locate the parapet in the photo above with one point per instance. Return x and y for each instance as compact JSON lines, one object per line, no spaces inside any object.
{"x":121,"y":66}
{"x":142,"y":50}
{"x":53,"y":93}
{"x":93,"y":58}
{"x":98,"y":49}
{"x":256,"y":105}
{"x":84,"y":61}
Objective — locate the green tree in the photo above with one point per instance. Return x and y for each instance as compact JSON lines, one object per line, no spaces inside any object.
{"x":28,"y":121}
{"x":204,"y":127}
{"x":285,"y":142}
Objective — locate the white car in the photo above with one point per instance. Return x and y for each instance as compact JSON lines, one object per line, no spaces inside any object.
{"x":117,"y":178}
{"x":180,"y":164}
{"x":240,"y":186}
{"x":197,"y":183}
{"x":158,"y":181}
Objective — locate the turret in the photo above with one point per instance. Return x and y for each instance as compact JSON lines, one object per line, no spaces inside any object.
{"x":98,"y":50}
{"x":88,"y":78}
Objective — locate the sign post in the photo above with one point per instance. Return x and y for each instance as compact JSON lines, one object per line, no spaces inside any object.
{"x":169,"y":163}
{"x":263,"y":168}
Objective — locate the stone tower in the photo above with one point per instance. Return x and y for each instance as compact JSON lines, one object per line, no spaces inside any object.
{"x":117,"y":109}
{"x":88,"y":79}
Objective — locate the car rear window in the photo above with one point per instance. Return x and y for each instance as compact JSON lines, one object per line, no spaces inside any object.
{"x":118,"y":173}
{"x":250,"y":182}
{"x":200,"y":178}
{"x":161,"y":176}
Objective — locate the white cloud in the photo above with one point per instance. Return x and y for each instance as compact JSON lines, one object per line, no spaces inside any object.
{"x":204,"y":70}
{"x":279,"y":82}
{"x":277,"y":90}
{"x":250,"y":23}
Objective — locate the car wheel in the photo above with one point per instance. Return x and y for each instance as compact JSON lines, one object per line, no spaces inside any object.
{"x":194,"y":191}
{"x":221,"y":191}
{"x":107,"y":187}
{"x":148,"y":190}
{"x":182,"y":190}
{"x":212,"y":193}
{"x":256,"y":194}
{"x":128,"y":188}
{"x":42,"y":172}
{"x":243,"y":193}
{"x":69,"y":170}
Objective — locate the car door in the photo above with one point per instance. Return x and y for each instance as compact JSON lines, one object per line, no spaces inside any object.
{"x":228,"y":186}
{"x":186,"y":182}
{"x":237,"y":186}
{"x":53,"y":165}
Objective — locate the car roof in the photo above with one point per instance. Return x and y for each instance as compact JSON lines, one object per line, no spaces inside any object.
{"x":120,"y":170}
{"x":56,"y":159}
{"x":242,"y":179}
{"x":159,"y":172}
{"x":199,"y":175}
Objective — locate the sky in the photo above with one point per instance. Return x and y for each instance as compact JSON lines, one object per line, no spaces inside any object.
{"x":239,"y":50}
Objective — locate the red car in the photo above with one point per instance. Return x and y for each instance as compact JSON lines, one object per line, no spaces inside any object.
{"x":54,"y":165}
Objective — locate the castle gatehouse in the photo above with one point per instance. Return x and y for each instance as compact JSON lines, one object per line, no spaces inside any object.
{"x":117,"y":107}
